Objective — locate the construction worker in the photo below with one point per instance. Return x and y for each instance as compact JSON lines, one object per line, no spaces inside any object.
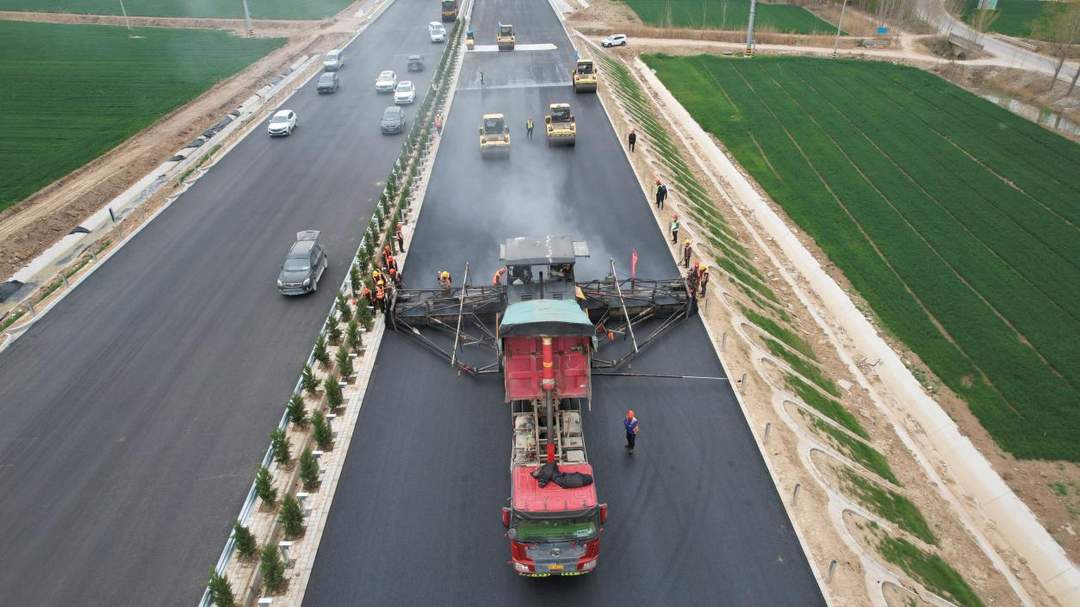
{"x":438,"y":122}
{"x":365,"y":296}
{"x":395,"y":277}
{"x":633,"y":426}
{"x":580,"y":296}
{"x":400,"y":238}
{"x":687,"y":252}
{"x":529,"y":127}
{"x":380,"y":297}
{"x":376,"y":276}
{"x":675,"y":229}
{"x":703,"y":279}
{"x":445,"y":280}
{"x":692,"y":280}
{"x":631,"y":139}
{"x":496,"y":280}
{"x":391,"y":263}
{"x":661,"y":194}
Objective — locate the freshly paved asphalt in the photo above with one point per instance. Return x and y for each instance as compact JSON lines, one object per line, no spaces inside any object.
{"x":695,"y":518}
{"x":134,"y":414}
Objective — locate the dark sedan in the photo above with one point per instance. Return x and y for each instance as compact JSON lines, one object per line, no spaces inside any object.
{"x":328,"y":82}
{"x":393,"y":120}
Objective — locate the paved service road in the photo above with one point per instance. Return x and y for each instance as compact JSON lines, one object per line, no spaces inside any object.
{"x":134,"y":414}
{"x":695,"y":518}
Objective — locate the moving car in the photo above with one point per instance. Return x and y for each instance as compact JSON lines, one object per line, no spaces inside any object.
{"x":304,"y":265}
{"x":393,"y":120}
{"x":405,"y":93}
{"x":328,"y":83}
{"x":334,"y":61}
{"x":282,"y":123}
{"x":416,"y":63}
{"x":386,"y":82}
{"x":614,"y":40}
{"x":436,"y":32}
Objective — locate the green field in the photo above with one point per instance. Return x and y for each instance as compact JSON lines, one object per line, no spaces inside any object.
{"x":72,"y":92}
{"x":1015,"y":17}
{"x":221,"y":9}
{"x":958,"y":221}
{"x":721,"y":14}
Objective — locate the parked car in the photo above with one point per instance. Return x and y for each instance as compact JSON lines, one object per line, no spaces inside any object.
{"x":282,"y":123}
{"x":304,"y":265}
{"x":416,"y":63}
{"x":393,"y":120}
{"x":405,"y":93}
{"x":328,"y":83}
{"x":334,"y":60}
{"x":436,"y":32}
{"x":614,"y":40}
{"x":386,"y":82}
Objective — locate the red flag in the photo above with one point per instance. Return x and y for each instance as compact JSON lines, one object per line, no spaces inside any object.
{"x":633,"y":263}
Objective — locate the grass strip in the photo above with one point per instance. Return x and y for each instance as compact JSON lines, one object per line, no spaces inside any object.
{"x":930,"y":570}
{"x":858,"y":451}
{"x":783,"y":334}
{"x":825,"y":405}
{"x":802,"y":366}
{"x":889,"y":505}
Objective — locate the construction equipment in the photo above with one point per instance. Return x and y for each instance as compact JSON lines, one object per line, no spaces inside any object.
{"x":494,"y":135}
{"x":584,"y":76}
{"x":449,"y":10}
{"x":561,"y":127}
{"x":543,"y":339}
{"x":504,"y":37}
{"x":470,"y":40}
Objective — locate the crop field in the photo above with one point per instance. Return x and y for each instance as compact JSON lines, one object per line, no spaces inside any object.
{"x":957,"y":221}
{"x":72,"y":92}
{"x":1015,"y":17}
{"x":722,"y":14}
{"x":219,"y":9}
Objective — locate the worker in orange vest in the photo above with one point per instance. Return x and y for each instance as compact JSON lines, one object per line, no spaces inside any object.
{"x":380,"y":297}
{"x":496,"y":280}
{"x":395,"y":277}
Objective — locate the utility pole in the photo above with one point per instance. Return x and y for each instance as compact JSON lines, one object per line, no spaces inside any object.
{"x":836,"y":42}
{"x":750,"y":29}
{"x":247,"y":19}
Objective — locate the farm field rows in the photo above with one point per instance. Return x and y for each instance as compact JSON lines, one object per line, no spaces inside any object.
{"x":72,"y":92}
{"x":722,"y":14}
{"x":956,"y":220}
{"x":260,"y":9}
{"x":1015,"y":17}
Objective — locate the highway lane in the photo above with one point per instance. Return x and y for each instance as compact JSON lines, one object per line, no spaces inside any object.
{"x":695,"y":518}
{"x":136,"y":411}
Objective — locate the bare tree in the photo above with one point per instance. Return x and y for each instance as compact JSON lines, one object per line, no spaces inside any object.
{"x":1061,"y":29}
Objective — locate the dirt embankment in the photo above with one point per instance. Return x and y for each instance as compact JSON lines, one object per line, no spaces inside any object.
{"x":34,"y":224}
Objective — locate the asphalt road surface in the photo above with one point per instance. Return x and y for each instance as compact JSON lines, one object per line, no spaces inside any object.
{"x":694,"y":517}
{"x":134,"y":413}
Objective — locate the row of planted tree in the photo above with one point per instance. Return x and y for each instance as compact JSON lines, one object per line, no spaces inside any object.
{"x":323,"y":390}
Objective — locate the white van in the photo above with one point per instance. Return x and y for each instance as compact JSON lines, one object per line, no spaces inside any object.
{"x":436,"y":32}
{"x":334,"y":61}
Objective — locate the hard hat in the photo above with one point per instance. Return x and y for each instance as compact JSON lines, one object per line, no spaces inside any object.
{"x":687,"y":241}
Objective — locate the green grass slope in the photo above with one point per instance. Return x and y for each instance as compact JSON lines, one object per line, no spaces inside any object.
{"x":733,"y":14}
{"x":72,"y":92}
{"x":220,"y":9}
{"x":957,"y":221}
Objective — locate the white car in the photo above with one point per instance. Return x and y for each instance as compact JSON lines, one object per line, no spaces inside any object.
{"x":614,"y":40}
{"x":334,"y":61}
{"x":282,"y":123}
{"x":386,"y":82}
{"x":436,"y":31}
{"x":405,"y":93}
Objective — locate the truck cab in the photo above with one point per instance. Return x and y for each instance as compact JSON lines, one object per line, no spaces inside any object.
{"x":494,"y":135}
{"x":584,"y":76}
{"x":504,"y":37}
{"x":449,"y":10}
{"x":560,"y":125}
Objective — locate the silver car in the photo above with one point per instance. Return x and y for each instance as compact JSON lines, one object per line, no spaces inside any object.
{"x":304,"y":265}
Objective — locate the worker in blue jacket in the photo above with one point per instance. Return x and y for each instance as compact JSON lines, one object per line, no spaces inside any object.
{"x":632,"y":427}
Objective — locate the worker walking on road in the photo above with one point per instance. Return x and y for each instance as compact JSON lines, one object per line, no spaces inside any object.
{"x":661,"y":194}
{"x":675,"y":229}
{"x":686,"y":253}
{"x":529,"y":128}
{"x":631,"y":139}
{"x":633,"y":426}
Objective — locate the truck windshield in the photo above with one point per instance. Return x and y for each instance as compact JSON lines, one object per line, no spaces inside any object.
{"x":493,"y":126}
{"x":551,"y":530}
{"x":584,"y":68}
{"x":449,"y":4}
{"x":506,"y":30}
{"x":560,"y":114}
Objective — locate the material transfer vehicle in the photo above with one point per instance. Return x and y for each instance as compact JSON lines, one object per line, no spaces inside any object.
{"x":334,"y":60}
{"x":282,"y":123}
{"x":386,"y":82}
{"x":304,"y":265}
{"x":405,"y":93}
{"x":494,"y":135}
{"x":584,"y":76}
{"x":560,"y":125}
{"x":504,"y":37}
{"x":614,"y":40}
{"x":328,"y":83}
{"x":436,"y":32}
{"x":540,"y":328}
{"x":449,"y":10}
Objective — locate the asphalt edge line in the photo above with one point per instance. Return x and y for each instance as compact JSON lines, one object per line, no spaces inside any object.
{"x":762,"y":451}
